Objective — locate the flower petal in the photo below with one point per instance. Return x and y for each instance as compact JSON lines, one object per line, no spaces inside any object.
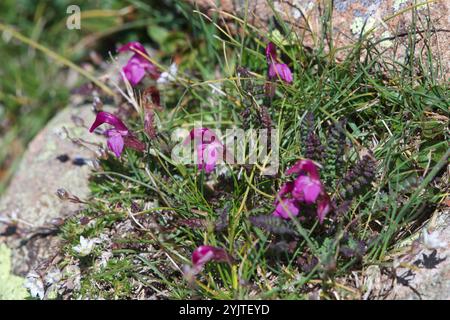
{"x":208,"y":155}
{"x":271,"y":52}
{"x":134,"y":70}
{"x":116,"y":144}
{"x":277,"y":69}
{"x":204,"y":254}
{"x":283,"y":71}
{"x":285,"y":189}
{"x":106,"y":117}
{"x":137,"y":66}
{"x":133,"y":46}
{"x":304,"y":166}
{"x":286,"y":208}
{"x":307,"y":189}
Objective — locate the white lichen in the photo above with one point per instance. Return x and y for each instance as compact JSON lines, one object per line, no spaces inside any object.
{"x":398,"y":4}
{"x":431,"y":240}
{"x":359,"y":23}
{"x":386,"y":43}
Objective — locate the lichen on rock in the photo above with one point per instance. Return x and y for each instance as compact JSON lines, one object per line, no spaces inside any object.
{"x":11,"y":286}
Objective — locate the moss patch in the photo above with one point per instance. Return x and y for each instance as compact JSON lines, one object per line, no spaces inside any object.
{"x":11,"y":286}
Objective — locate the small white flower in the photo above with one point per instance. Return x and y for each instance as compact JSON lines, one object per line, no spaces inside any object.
{"x":168,"y":76}
{"x":85,"y":247}
{"x":432,"y":241}
{"x":34,"y":285}
{"x":53,"y":276}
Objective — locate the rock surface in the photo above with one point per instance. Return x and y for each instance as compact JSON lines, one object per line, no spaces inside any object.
{"x":30,"y":208}
{"x":429,"y":276}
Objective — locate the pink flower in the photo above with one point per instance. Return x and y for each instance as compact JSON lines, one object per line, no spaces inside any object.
{"x":138,"y":66}
{"x":304,"y":166}
{"x":276,"y":68}
{"x":286,"y":208}
{"x":305,"y":189}
{"x":208,"y":154}
{"x":307,"y":185}
{"x":204,"y":254}
{"x":271,"y":52}
{"x":208,"y":147}
{"x":119,"y":136}
{"x":280,"y":70}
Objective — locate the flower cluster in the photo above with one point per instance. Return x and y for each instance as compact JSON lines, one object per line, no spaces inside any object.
{"x":277,"y":70}
{"x":306,"y":189}
{"x":119,"y":136}
{"x":138,"y":65}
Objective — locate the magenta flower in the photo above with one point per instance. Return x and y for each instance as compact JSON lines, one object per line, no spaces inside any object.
{"x":286,"y":208}
{"x":208,"y":147}
{"x":119,"y":136}
{"x":305,"y":189}
{"x":276,"y":68}
{"x":304,"y":166}
{"x":307,"y":186}
{"x":208,"y":154}
{"x":138,"y":66}
{"x":201,"y":256}
{"x":204,"y":254}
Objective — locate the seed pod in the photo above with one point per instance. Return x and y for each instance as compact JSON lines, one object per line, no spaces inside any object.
{"x":62,"y":194}
{"x":97,"y":104}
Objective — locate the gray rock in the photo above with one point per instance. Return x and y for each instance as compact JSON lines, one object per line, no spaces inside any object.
{"x":425,"y":273}
{"x":52,"y":161}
